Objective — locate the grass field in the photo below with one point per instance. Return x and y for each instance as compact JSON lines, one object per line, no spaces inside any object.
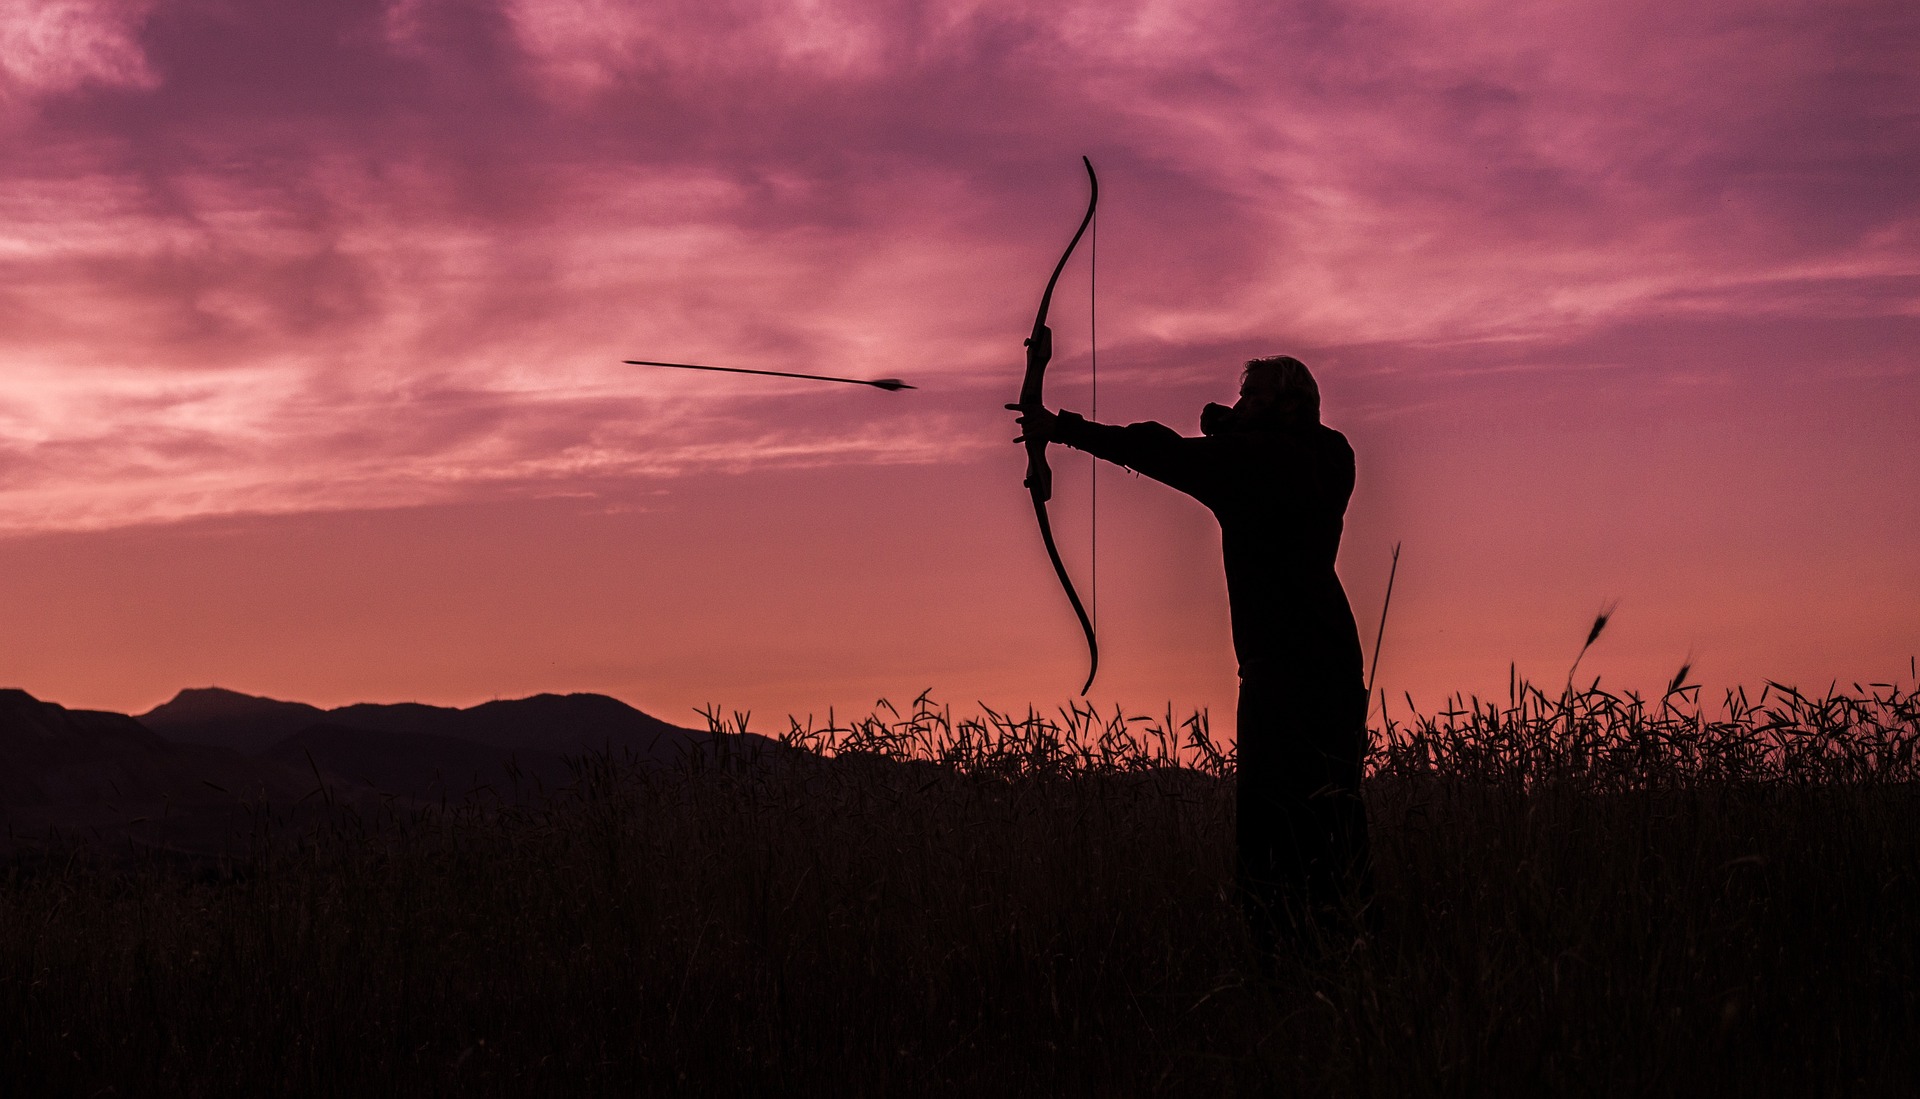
{"x":1579,"y":894}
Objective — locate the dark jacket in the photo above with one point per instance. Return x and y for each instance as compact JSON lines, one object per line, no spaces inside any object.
{"x":1280,"y":496}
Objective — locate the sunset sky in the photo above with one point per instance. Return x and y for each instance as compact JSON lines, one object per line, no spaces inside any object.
{"x":311,"y":320}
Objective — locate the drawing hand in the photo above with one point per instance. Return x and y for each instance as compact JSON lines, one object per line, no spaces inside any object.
{"x":1215,"y":419}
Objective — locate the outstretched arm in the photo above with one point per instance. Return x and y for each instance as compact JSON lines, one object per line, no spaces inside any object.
{"x":1150,"y":448}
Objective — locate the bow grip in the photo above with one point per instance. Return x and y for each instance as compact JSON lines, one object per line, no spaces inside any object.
{"x":1039,"y":474}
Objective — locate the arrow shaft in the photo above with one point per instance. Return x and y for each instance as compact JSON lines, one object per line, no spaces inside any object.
{"x":881,"y":383}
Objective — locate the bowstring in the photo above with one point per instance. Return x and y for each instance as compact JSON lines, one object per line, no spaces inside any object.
{"x":1093,"y":412}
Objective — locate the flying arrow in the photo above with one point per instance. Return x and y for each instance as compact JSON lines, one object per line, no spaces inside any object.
{"x":889,"y":384}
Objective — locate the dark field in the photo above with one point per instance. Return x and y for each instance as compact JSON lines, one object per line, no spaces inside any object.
{"x":1580,"y":894}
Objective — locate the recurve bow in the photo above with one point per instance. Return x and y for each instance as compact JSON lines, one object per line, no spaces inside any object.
{"x":1039,"y":474}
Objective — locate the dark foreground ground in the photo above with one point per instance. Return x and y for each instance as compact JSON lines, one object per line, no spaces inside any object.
{"x":1571,"y":903}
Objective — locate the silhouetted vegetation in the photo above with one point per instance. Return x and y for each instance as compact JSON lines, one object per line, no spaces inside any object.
{"x":1579,"y":893}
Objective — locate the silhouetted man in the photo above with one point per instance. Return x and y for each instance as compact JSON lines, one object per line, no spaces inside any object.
{"x":1278,"y":481}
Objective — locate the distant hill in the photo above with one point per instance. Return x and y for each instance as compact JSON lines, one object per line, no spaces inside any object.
{"x":196,"y":771}
{"x":105,"y":779}
{"x":212,"y":767}
{"x":229,"y":719}
{"x":190,"y":772}
{"x":545,"y":724}
{"x":53,"y":756}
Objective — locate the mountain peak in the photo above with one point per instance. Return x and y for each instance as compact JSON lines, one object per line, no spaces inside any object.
{"x":207,"y":702}
{"x":216,"y":715}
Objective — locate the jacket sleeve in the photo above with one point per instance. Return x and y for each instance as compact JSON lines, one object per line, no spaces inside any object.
{"x":1152,"y":449}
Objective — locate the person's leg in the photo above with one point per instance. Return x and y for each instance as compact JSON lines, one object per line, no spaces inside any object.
{"x":1304,"y":856}
{"x":1258,"y":819}
{"x":1283,"y":828}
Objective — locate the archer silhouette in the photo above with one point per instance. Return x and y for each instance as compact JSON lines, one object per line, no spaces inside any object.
{"x":1278,"y":481}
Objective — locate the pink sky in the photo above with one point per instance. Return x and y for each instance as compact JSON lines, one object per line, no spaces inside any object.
{"x":312,"y":314}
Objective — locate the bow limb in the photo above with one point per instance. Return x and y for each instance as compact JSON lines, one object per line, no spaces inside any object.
{"x":1040,"y":475}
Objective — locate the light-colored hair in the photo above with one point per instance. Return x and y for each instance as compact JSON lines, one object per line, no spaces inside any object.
{"x":1289,"y":379}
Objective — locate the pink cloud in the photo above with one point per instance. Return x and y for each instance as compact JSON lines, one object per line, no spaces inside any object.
{"x":61,"y":45}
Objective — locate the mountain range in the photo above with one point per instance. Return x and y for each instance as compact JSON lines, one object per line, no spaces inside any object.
{"x":202,"y":760}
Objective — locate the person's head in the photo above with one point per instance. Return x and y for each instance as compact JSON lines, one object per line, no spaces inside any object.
{"x":1277,"y":390}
